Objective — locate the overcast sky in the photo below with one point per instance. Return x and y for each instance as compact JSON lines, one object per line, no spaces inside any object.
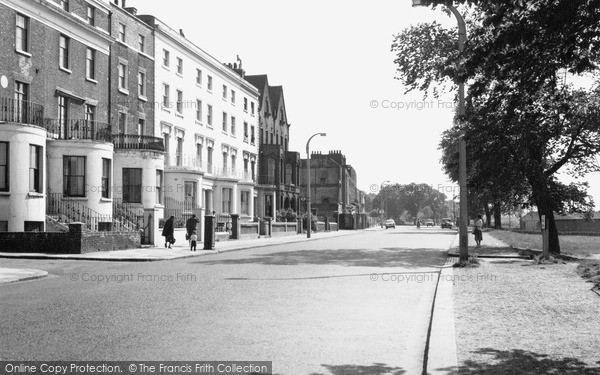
{"x":334,"y":62}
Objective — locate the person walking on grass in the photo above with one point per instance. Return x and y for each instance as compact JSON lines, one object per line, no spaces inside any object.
{"x":169,"y":231}
{"x":477,"y":231}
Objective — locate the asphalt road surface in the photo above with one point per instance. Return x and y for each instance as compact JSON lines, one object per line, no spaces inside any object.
{"x":357,"y":304}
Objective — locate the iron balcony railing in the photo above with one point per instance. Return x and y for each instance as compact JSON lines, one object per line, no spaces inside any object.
{"x":21,"y":111}
{"x":75,"y":129}
{"x":137,"y":142}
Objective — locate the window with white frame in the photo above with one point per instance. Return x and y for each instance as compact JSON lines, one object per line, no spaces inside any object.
{"x":142,"y":84}
{"x":91,"y":15}
{"x":209,"y":115}
{"x":224,"y":122}
{"x":166,"y":58}
{"x":245,"y":200}
{"x":74,"y":176}
{"x":122,"y":32}
{"x":232,"y":97}
{"x":199,"y":77}
{"x":22,"y":33}
{"x":245,"y":131}
{"x":90,"y":64}
{"x":233,"y":126}
{"x":122,"y":122}
{"x":179,"y":102}
{"x":106,"y":173}
{"x":245,"y":104}
{"x":199,"y":110}
{"x":209,"y":84}
{"x":132,"y":185}
{"x":159,"y":186}
{"x":179,"y":66}
{"x":142,"y":43}
{"x":224,"y":92}
{"x":122,"y":76}
{"x":166,"y":96}
{"x":227,"y":198}
{"x":4,"y":170}
{"x":63,"y":52}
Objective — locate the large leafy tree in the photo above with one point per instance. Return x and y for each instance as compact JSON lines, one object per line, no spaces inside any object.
{"x":518,"y":108}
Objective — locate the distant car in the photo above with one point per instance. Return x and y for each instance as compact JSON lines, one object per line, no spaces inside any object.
{"x":447,"y":223}
{"x":390,"y":224}
{"x":401,"y":222}
{"x":429,"y":223}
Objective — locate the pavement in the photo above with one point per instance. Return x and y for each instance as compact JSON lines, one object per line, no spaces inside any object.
{"x":490,"y":248}
{"x":12,"y":275}
{"x":151,"y":254}
{"x":442,"y":350}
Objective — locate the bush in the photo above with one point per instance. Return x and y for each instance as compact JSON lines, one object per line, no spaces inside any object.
{"x":286,"y":215}
{"x":313,"y":221}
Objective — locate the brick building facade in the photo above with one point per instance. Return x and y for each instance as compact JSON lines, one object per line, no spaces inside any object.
{"x":278,"y":174}
{"x":333,"y":185}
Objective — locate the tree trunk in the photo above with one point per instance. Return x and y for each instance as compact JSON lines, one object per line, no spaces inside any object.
{"x":497,"y":216}
{"x":488,"y":216}
{"x":541,"y":197}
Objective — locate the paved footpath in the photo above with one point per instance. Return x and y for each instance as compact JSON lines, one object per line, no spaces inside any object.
{"x":442,"y":355}
{"x":150,"y":254}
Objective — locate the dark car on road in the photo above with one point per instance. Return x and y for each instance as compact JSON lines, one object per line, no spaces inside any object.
{"x":447,"y":223}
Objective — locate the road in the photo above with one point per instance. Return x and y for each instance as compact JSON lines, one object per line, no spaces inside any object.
{"x":357,"y":304}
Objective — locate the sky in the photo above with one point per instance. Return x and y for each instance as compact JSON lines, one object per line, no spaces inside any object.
{"x":334,"y":61}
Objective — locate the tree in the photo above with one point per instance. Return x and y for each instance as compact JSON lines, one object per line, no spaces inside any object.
{"x":517,"y":106}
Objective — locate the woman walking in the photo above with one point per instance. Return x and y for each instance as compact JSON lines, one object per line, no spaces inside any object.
{"x":477,"y":231}
{"x":168,"y":231}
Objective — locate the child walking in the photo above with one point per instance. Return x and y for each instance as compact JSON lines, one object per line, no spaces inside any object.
{"x":193,"y":239}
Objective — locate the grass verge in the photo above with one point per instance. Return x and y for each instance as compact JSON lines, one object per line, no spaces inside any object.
{"x":581,"y":246}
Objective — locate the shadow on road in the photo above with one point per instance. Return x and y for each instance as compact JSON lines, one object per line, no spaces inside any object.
{"x":387,"y":257}
{"x":427,"y":232}
{"x":522,"y":362}
{"x":375,"y":369}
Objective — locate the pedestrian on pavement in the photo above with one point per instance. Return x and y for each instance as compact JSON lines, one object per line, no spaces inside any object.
{"x":168,"y":231}
{"x":477,"y":231}
{"x":193,"y":239}
{"x":190,"y":226}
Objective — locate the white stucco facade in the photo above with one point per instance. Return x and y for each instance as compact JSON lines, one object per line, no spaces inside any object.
{"x":208,"y":116}
{"x":20,"y":204}
{"x":93,"y":154}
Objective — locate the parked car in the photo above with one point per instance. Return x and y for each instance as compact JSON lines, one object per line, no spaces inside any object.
{"x":429,"y":223}
{"x":401,"y":222}
{"x":390,"y":224}
{"x":447,"y":223}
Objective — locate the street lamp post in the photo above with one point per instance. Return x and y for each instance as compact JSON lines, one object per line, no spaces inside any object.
{"x":308,"y":216}
{"x":462,"y":144}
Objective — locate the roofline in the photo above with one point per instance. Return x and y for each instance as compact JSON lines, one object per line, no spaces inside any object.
{"x":165,"y":30}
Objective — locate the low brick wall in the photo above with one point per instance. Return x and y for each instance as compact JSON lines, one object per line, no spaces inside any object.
{"x":333,"y":227}
{"x":35,"y":242}
{"x":249,"y":231}
{"x":320,"y":226}
{"x":109,"y":241}
{"x":284,"y":229}
{"x":76,"y":241}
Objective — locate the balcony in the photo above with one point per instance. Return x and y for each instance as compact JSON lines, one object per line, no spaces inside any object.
{"x":264,"y":179}
{"x":183,"y":162}
{"x":77,"y":129}
{"x":137,"y":142}
{"x":21,"y":111}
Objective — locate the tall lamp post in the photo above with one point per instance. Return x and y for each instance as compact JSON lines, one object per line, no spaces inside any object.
{"x":462,"y":144}
{"x":308,"y":216}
